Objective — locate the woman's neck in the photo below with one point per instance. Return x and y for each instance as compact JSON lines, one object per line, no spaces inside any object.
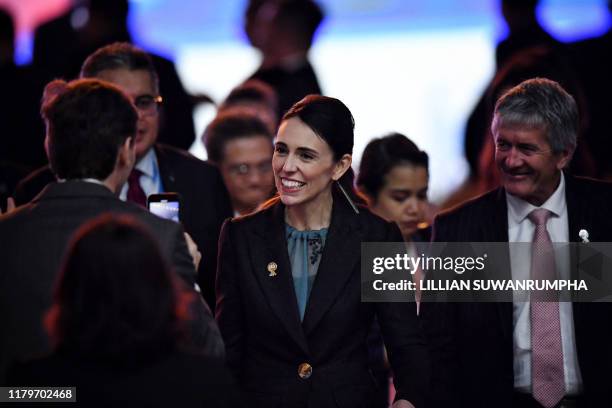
{"x":313,"y":215}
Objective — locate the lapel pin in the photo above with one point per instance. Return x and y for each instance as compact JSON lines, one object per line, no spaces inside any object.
{"x":584,"y":234}
{"x":272,"y":267}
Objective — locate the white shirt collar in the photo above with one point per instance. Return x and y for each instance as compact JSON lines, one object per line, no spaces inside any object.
{"x":148,"y":163}
{"x":87,"y":180}
{"x":519,"y":209}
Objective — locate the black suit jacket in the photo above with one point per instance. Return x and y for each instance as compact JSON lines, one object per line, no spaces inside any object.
{"x":33,"y":240}
{"x":204,"y":203}
{"x":471,"y":343}
{"x":291,"y":85}
{"x":265,"y":340}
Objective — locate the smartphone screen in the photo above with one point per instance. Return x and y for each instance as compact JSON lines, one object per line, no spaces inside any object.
{"x":165,"y":206}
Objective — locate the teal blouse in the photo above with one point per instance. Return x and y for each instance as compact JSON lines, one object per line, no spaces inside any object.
{"x":305,"y":249}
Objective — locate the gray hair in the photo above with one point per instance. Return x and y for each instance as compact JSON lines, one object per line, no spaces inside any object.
{"x":540,"y":103}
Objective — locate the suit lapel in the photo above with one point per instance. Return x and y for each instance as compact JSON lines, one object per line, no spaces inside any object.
{"x":577,"y":212}
{"x":271,"y":246}
{"x":499,"y":233}
{"x":340,"y":255}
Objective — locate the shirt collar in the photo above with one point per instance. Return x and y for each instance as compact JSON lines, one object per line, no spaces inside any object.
{"x":148,"y":164}
{"x":519,"y":209}
{"x":86,"y":180}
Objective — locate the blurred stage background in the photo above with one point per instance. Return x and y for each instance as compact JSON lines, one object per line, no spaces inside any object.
{"x":416,"y":67}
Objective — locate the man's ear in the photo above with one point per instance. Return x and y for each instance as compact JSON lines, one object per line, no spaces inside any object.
{"x":342,"y":166}
{"x":127,"y":154}
{"x":564,"y":158}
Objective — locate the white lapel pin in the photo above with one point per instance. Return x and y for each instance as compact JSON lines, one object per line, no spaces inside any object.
{"x":272,"y":267}
{"x":584,"y":234}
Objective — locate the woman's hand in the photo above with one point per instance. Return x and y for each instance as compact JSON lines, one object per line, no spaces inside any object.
{"x":196,"y":255}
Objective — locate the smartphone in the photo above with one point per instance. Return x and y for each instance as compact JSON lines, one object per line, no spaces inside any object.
{"x":165,"y":205}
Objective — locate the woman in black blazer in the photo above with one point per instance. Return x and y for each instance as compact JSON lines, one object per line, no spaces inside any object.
{"x":288,"y":282}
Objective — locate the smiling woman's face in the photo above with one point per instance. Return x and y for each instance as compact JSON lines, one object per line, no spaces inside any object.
{"x":303,"y":164}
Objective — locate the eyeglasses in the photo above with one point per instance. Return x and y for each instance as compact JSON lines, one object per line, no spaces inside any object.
{"x":244,"y":169}
{"x":148,"y":104}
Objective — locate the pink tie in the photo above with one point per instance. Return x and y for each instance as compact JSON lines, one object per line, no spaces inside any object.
{"x":135,"y":192}
{"x":548,"y":385}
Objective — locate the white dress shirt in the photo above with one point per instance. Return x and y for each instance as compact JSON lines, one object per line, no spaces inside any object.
{"x":150,"y":180}
{"x":521,"y":229}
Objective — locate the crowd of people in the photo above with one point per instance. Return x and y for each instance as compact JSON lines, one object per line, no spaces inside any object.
{"x":254,"y":297}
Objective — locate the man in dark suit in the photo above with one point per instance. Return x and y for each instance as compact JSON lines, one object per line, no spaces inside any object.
{"x":159,"y":168}
{"x":91,"y":127}
{"x":284,"y":32}
{"x":491,"y":354}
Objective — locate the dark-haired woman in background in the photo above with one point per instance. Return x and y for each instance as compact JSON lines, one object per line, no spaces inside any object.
{"x":394,"y":177}
{"x":288,"y":283}
{"x":117,"y":323}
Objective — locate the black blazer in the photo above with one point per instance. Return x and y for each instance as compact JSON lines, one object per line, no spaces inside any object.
{"x":471,"y":343}
{"x":33,"y":240}
{"x":204,"y":203}
{"x":265,"y":340}
{"x":291,"y":85}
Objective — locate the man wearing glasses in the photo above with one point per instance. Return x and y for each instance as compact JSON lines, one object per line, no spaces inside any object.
{"x":240,"y":144}
{"x":159,"y":168}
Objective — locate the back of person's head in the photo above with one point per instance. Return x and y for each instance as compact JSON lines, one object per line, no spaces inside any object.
{"x":252,"y":91}
{"x":520,"y":16}
{"x":252,"y":21}
{"x":116,"y":297}
{"x":232,"y":124}
{"x":301,"y":18}
{"x":110,"y":8}
{"x":120,"y":55}
{"x":513,"y":9}
{"x":520,"y":4}
{"x":381,"y":155}
{"x":537,"y":61}
{"x":540,"y":103}
{"x":258,"y":96}
{"x":87,"y":120}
